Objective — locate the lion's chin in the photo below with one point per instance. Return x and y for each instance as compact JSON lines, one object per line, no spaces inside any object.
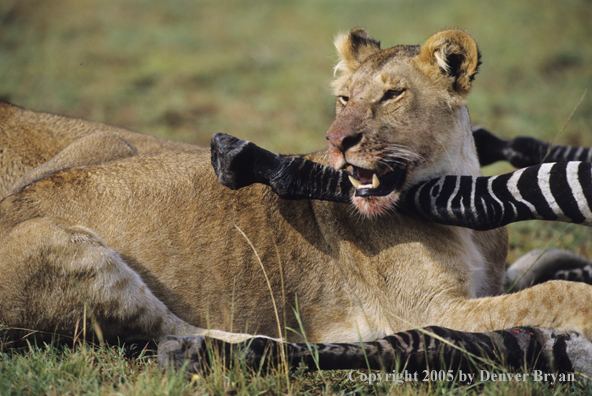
{"x":373,"y":206}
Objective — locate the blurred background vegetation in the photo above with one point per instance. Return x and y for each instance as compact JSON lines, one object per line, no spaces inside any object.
{"x":260,"y":70}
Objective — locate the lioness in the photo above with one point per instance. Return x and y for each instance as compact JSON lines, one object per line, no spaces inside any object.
{"x":152,"y":244}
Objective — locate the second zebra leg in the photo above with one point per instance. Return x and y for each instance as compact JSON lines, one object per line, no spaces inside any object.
{"x":430,"y":348}
{"x":524,"y":151}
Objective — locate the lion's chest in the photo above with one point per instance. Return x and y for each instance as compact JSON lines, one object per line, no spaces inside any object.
{"x":406,"y":276}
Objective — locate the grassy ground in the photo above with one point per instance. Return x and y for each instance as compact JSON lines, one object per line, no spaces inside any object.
{"x":260,"y":70}
{"x":132,"y":370}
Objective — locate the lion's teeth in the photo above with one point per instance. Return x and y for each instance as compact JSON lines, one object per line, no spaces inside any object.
{"x":375,"y":182}
{"x":356,"y":183}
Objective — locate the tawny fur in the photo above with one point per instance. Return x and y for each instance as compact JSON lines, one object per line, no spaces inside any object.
{"x":29,"y":139}
{"x":153,"y":244}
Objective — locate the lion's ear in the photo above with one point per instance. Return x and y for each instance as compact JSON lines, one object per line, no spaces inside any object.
{"x":354,"y":48}
{"x":456,"y":55}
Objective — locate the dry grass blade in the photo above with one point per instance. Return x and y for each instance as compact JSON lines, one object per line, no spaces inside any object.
{"x":275,"y":310}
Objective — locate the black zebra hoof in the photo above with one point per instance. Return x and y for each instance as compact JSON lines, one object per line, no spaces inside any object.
{"x":233,"y":159}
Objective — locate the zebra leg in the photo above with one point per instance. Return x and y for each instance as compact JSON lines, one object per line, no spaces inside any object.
{"x":524,"y":151}
{"x":430,"y":348}
{"x":555,"y":192}
{"x":568,"y":153}
{"x":239,"y":163}
{"x":520,"y":152}
{"x":540,"y":265}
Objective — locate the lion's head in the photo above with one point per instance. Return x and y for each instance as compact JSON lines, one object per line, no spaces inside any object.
{"x":401,"y":114}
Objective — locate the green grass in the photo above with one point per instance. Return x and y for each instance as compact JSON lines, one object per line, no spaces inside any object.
{"x":260,"y":70}
{"x":132,"y":370}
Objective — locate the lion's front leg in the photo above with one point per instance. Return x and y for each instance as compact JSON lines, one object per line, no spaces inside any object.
{"x":557,"y":305}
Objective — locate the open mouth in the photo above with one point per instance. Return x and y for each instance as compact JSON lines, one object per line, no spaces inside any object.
{"x":378,"y":183}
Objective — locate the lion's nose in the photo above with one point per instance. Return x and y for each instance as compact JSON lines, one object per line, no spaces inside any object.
{"x":344,"y":142}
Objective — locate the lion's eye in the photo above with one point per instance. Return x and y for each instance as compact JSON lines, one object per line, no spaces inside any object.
{"x":391,"y":94}
{"x":343,"y":99}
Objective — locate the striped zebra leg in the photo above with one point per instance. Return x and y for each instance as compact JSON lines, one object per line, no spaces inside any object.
{"x":524,"y":151}
{"x":239,"y":163}
{"x":553,"y":191}
{"x":430,"y":348}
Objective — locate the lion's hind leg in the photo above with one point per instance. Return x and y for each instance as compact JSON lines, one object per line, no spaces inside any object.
{"x":95,"y":148}
{"x":60,"y":278}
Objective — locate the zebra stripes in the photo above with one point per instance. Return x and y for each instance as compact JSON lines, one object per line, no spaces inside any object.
{"x":556,"y":192}
{"x":569,"y":153}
